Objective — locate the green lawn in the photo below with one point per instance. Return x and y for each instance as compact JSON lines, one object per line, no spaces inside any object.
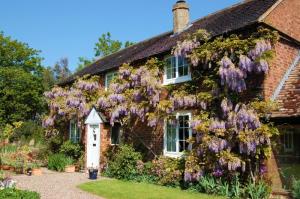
{"x":116,"y":189}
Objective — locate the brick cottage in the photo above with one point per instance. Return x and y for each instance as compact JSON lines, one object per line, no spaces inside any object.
{"x":282,"y":83}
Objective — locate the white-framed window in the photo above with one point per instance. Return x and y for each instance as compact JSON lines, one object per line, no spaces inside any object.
{"x":176,"y":134}
{"x":288,"y":139}
{"x":109,"y":77}
{"x":74,"y":132}
{"x":177,"y":70}
{"x":115,"y":134}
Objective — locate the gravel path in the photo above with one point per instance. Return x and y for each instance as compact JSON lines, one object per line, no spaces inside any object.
{"x":53,"y":185}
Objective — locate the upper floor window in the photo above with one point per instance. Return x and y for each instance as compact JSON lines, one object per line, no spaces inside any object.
{"x":176,"y":70}
{"x":109,"y":77}
{"x":74,"y":133}
{"x":177,"y":135}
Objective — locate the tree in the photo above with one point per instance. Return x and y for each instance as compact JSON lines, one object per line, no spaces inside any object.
{"x":83,"y":62}
{"x":21,"y":95}
{"x":21,"y":77}
{"x":104,"y":47}
{"x":61,"y":69}
{"x":17,"y":54}
{"x":48,"y":78}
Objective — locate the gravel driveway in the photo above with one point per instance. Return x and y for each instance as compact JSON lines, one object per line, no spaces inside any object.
{"x":53,"y":185}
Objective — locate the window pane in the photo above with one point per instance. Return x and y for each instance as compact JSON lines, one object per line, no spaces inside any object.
{"x":171,"y":68}
{"x":109,"y":77}
{"x":171,"y":138}
{"x":184,"y":132}
{"x":74,"y":132}
{"x":183,"y":67}
{"x":115,"y":134}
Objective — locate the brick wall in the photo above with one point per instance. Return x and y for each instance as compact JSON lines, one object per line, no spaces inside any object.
{"x":285,"y":54}
{"x":286,"y":18}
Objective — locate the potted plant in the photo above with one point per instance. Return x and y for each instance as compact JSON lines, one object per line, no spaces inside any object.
{"x":34,"y":168}
{"x":70,"y":167}
{"x":93,"y":173}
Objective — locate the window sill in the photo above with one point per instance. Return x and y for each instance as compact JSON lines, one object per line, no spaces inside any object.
{"x":173,"y":154}
{"x":177,"y":80}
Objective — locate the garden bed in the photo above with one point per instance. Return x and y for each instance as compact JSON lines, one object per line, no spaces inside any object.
{"x":117,"y":189}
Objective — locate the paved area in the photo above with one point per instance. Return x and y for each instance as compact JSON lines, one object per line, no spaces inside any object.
{"x":54,"y":185}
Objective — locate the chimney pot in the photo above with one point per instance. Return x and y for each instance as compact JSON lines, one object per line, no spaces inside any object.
{"x":181,"y":16}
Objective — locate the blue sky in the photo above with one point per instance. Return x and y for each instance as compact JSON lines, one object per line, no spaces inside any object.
{"x":70,"y":28}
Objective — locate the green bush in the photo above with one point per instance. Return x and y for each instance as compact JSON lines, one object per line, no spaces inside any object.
{"x":18,"y":194}
{"x":168,"y":170}
{"x":123,"y":164}
{"x":296,"y":189}
{"x":70,"y":149}
{"x":58,"y":162}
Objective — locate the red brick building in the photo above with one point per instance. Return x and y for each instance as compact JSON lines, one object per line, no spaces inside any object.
{"x":282,"y":83}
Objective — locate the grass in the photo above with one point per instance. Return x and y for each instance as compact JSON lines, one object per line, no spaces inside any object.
{"x":116,"y":189}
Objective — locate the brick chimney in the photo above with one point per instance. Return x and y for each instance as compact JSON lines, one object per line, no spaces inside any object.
{"x":181,"y":16}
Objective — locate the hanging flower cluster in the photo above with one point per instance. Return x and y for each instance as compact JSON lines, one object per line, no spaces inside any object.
{"x":133,"y":94}
{"x":71,"y":102}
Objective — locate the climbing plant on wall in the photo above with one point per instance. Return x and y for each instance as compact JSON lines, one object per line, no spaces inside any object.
{"x":231,"y":133}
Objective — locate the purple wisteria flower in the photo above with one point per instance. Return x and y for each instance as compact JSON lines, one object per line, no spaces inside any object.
{"x":48,"y":122}
{"x":88,"y":86}
{"x":260,"y":47}
{"x":118,"y":98}
{"x":226,"y":106}
{"x":185,"y":47}
{"x":103,"y":103}
{"x":231,"y":76}
{"x":217,"y":144}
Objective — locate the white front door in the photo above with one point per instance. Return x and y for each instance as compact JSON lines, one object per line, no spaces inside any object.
{"x":93,"y":145}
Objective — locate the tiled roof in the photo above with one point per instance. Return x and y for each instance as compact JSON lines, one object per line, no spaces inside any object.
{"x":288,"y":93}
{"x":227,"y":20}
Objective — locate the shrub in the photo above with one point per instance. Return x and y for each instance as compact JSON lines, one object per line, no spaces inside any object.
{"x":123,"y":164}
{"x":296,"y":189}
{"x":258,"y":190}
{"x":168,"y":170}
{"x":29,"y":130}
{"x":17,"y":194}
{"x":71,"y":149}
{"x":58,"y":162}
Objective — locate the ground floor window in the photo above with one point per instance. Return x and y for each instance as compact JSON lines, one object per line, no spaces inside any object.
{"x":75,"y":133}
{"x":288,"y":154}
{"x":115,"y":134}
{"x":177,"y":131}
{"x":288,"y":141}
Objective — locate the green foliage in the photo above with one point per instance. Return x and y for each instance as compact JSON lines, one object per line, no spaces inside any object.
{"x":9,"y":130}
{"x":106,"y":46}
{"x":19,"y":55}
{"x":18,"y":194}
{"x":123,"y":164}
{"x":168,"y":170}
{"x":71,"y":149}
{"x":20,"y":95}
{"x":29,"y":130}
{"x":258,"y":190}
{"x":58,"y":162}
{"x":296,"y":189}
